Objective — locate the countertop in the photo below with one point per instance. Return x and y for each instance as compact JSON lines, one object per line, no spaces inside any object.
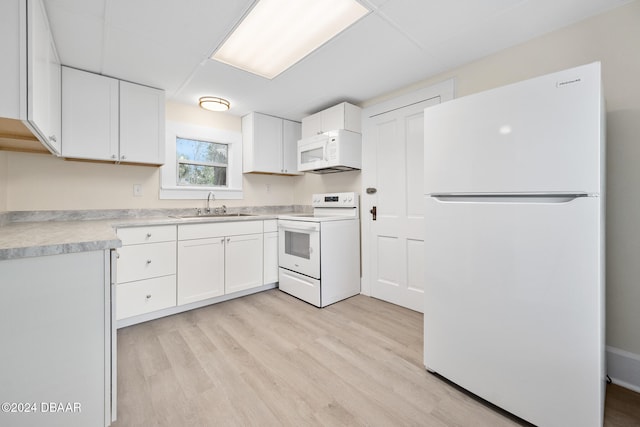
{"x":26,"y":238}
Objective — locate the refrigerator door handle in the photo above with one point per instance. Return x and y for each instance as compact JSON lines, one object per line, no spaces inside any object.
{"x":509,"y":198}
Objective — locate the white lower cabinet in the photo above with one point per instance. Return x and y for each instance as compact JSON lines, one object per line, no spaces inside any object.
{"x":200,"y":269}
{"x":243,"y":262}
{"x":146,"y":270}
{"x":218,"y":259}
{"x":270,"y":274}
{"x":163,"y":270}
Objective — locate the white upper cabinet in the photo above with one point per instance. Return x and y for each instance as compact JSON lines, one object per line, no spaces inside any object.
{"x":141,"y":124}
{"x":269,"y":144}
{"x":107,"y":119}
{"x":90,"y":115}
{"x":30,"y":71}
{"x":342,"y":116}
{"x":44,"y":84}
{"x":290,"y":137}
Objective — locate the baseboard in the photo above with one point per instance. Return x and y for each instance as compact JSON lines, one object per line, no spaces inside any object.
{"x":122,"y":323}
{"x":623,"y":367}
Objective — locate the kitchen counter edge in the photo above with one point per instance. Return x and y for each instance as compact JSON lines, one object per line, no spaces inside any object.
{"x":42,"y":238}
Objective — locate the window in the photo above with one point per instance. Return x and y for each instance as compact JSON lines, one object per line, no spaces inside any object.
{"x":201,"y":162}
{"x":200,"y":159}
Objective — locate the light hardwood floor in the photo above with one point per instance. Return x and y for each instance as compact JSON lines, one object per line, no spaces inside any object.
{"x":269,"y":359}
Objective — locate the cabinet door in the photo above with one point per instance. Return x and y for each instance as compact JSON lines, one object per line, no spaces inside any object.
{"x":312,"y":125}
{"x":267,"y":143}
{"x":141,"y":124}
{"x":333,"y":118}
{"x":43,"y":78}
{"x":291,"y":135}
{"x":200,"y":269}
{"x":89,"y":115}
{"x":270,"y":258}
{"x":243,"y":262}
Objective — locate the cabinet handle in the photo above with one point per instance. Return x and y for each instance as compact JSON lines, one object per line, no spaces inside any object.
{"x":52,"y":138}
{"x":148,"y":296}
{"x":228,"y":239}
{"x":148,"y":235}
{"x":123,"y":157}
{"x":148,"y":261}
{"x":113,"y":156}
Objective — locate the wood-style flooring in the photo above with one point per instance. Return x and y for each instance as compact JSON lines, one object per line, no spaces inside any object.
{"x":269,"y":359}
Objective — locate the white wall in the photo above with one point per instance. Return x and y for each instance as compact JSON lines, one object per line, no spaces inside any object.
{"x":614,"y":39}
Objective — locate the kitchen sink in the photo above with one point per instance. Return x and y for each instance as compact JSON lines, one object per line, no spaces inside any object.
{"x":226,"y":215}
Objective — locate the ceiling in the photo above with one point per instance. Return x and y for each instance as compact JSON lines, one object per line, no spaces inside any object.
{"x":167,"y":44}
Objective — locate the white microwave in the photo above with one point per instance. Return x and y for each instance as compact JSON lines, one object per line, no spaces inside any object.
{"x":335,"y":151}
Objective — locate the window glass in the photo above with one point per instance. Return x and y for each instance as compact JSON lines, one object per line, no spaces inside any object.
{"x":201,"y":163}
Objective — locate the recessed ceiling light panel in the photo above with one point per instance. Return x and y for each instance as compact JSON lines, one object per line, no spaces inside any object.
{"x":276,"y":34}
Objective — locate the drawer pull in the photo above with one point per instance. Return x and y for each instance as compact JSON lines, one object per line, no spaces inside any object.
{"x":148,"y":235}
{"x":148,"y":261}
{"x":148,"y":296}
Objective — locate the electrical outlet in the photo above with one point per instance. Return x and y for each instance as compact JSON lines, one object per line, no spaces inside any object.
{"x":137,"y":190}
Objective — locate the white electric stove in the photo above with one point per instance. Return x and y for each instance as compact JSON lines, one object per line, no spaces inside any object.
{"x":319,"y":254}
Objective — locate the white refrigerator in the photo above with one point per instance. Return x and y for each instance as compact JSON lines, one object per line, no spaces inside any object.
{"x":514,"y":291}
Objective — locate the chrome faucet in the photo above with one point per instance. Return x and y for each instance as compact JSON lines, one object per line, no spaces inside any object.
{"x":210,"y":197}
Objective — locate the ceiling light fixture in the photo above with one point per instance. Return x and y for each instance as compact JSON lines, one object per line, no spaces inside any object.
{"x":276,"y":34}
{"x":213,"y":103}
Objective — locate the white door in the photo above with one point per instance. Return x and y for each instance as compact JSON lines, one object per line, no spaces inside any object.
{"x":299,"y":247}
{"x":243,"y":262}
{"x":392,"y":155}
{"x":515,"y":298}
{"x":90,"y":121}
{"x":141,"y":124}
{"x":200,"y":269}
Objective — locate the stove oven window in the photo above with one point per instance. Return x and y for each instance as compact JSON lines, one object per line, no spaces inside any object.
{"x":297,"y":244}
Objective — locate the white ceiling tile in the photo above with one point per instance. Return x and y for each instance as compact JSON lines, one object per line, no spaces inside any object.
{"x":78,"y":38}
{"x":429,"y":22}
{"x":194,"y":25}
{"x":146,"y":61}
{"x":166,"y":44}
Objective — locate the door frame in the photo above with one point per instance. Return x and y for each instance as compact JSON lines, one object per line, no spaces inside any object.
{"x":445,"y":91}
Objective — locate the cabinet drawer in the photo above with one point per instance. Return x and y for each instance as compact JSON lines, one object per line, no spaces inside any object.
{"x":145,"y":296}
{"x":218,"y":229}
{"x":151,"y":234}
{"x":139,"y":262}
{"x":270,"y":225}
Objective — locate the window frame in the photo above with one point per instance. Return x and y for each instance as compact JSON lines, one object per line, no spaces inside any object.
{"x":169,"y":187}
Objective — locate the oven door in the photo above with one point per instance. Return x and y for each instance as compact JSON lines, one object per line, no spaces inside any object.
{"x":299,"y":247}
{"x":312,"y":153}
